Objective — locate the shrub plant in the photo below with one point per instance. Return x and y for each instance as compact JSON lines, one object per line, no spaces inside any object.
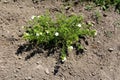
{"x":62,"y":32}
{"x":105,"y":4}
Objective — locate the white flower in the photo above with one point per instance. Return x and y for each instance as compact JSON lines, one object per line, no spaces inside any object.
{"x":38,"y":16}
{"x":95,"y":33}
{"x":23,"y":27}
{"x":70,"y":48}
{"x":64,"y":59}
{"x":37,"y":34}
{"x":47,"y":31}
{"x":33,"y":17}
{"x":92,"y":25}
{"x":26,"y":34}
{"x":40,"y":33}
{"x":56,"y":34}
{"x":79,"y":25}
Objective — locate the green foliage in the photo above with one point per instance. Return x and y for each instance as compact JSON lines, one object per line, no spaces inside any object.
{"x":105,"y":4}
{"x":64,"y":31}
{"x":97,"y":16}
{"x":88,"y":7}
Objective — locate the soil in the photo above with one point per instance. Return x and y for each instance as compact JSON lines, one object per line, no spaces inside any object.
{"x":100,"y":61}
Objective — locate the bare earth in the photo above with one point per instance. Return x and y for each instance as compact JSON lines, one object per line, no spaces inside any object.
{"x":100,"y":61}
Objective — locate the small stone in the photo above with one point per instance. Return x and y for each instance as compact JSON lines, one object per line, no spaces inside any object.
{"x":29,"y":78}
{"x":37,"y":63}
{"x":110,"y":49}
{"x":20,"y":57}
{"x":15,"y":75}
{"x":19,"y":68}
{"x":5,"y":1}
{"x":46,"y":71}
{"x":67,"y":7}
{"x":93,"y":74}
{"x":98,"y":42}
{"x":16,"y":70}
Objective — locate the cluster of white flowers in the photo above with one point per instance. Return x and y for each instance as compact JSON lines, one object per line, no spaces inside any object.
{"x":38,"y":34}
{"x":56,"y":34}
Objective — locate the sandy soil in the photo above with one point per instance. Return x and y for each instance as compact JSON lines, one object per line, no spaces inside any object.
{"x":100,"y":61}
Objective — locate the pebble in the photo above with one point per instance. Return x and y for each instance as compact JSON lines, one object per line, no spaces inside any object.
{"x":67,"y":7}
{"x":20,"y":57}
{"x":46,"y":71}
{"x":28,"y":78}
{"x":16,"y":71}
{"x":37,"y":63}
{"x":19,"y":68}
{"x":15,"y":75}
{"x":98,"y":42}
{"x":93,"y":74}
{"x":5,"y":1}
{"x":110,"y":49}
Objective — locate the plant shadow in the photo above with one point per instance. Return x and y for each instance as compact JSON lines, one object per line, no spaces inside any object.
{"x":34,"y":49}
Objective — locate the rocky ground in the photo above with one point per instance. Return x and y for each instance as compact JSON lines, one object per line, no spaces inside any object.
{"x":100,"y":61}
